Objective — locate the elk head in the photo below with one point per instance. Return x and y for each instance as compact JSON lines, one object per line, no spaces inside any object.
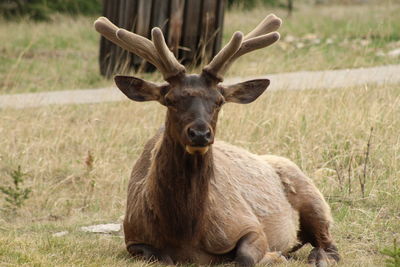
{"x":193,"y":101}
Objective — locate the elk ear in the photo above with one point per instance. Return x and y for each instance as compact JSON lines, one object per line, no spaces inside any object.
{"x":138,"y":89}
{"x":245,"y":92}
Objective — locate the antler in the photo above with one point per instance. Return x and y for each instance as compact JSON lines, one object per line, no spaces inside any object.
{"x":156,"y":52}
{"x":262,"y":36}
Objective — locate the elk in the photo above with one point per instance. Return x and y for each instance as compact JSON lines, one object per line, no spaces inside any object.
{"x":192,"y":199}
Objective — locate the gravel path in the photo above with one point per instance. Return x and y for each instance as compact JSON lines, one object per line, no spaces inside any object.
{"x":285,"y":81}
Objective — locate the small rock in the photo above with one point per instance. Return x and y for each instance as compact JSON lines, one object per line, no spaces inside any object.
{"x":299,"y":45}
{"x":109,"y":228}
{"x":394,"y":53}
{"x":59,"y":234}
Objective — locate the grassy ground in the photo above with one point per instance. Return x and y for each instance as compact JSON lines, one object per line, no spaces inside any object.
{"x":325,"y":132}
{"x":63,"y":54}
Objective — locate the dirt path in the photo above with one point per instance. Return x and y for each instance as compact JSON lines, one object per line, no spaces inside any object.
{"x":286,"y":81}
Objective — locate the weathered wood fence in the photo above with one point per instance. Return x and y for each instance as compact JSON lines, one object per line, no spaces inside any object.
{"x":192,"y":29}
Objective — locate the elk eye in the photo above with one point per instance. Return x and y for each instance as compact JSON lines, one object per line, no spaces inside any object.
{"x":169,"y":102}
{"x":220,"y":102}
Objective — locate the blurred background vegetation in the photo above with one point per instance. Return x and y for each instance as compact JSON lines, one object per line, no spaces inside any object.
{"x":319,"y":35}
{"x":42,"y":9}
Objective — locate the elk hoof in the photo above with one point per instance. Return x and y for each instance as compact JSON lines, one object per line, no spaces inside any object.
{"x":323,"y":258}
{"x":244,"y":261}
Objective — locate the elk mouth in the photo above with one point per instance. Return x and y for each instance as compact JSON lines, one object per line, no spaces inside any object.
{"x":197,"y":149}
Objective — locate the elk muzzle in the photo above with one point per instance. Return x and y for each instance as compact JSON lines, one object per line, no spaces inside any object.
{"x":200,"y":137}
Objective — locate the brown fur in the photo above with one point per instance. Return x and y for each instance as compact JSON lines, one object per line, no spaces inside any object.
{"x":227,"y":204}
{"x":193,"y":200}
{"x":200,"y":217}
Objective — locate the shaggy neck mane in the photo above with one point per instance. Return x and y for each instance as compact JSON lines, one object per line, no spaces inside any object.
{"x":178,"y":189}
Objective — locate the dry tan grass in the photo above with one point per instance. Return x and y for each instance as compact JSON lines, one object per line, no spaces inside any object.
{"x":320,"y":130}
{"x":325,"y":132}
{"x":48,"y":56}
{"x":321,"y":37}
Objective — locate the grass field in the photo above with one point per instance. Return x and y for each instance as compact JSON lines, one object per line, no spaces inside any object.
{"x":63,"y":54}
{"x":325,"y":132}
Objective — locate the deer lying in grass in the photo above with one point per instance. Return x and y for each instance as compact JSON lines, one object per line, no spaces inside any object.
{"x":191,"y":200}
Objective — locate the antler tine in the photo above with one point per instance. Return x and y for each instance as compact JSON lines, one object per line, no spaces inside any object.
{"x":108,"y":30}
{"x":140,"y":46}
{"x":262,"y":36}
{"x":131,"y":42}
{"x":250,"y":45}
{"x":271,"y":23}
{"x":157,"y":52}
{"x":168,"y":60}
{"x":224,"y":55}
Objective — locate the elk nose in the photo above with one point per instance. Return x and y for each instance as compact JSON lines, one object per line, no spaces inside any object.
{"x":199,"y":137}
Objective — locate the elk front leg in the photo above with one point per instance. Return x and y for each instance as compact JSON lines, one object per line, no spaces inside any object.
{"x":252,"y":249}
{"x":149,"y":253}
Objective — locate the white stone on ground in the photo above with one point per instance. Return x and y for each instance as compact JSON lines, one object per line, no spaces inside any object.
{"x":59,"y":234}
{"x":110,"y":228}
